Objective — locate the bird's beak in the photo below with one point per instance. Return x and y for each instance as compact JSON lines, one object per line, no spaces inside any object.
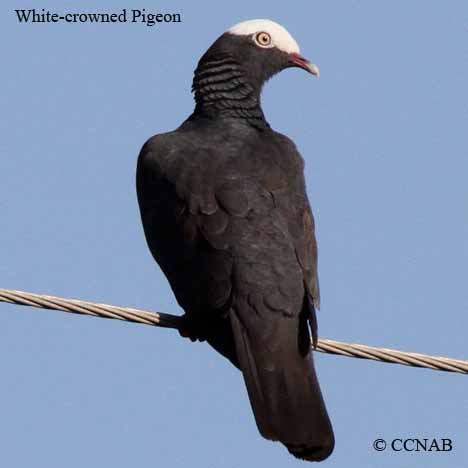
{"x":297,"y":60}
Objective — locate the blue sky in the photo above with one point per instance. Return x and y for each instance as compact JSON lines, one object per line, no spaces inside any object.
{"x":383,"y":134}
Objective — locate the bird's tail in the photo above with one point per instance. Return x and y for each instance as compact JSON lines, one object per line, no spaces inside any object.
{"x":283,"y":388}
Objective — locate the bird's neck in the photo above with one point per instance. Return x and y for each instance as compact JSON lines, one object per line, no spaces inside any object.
{"x":223,"y":90}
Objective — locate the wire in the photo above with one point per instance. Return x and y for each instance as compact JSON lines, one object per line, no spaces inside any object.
{"x":159,"y":319}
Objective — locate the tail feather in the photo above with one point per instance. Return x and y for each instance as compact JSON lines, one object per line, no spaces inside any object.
{"x":284,"y":391}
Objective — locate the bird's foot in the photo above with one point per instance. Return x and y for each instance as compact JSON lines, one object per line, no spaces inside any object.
{"x":192,"y":327}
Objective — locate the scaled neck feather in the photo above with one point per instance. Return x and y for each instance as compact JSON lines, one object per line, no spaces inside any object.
{"x":223,"y":90}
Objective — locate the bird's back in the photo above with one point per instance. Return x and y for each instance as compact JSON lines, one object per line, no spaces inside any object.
{"x":211,"y":191}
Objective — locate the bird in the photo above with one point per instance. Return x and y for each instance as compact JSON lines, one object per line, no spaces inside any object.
{"x":226,"y":216}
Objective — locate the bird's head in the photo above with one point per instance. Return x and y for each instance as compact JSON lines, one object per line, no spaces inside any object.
{"x":263,"y":47}
{"x":230,"y":75}
{"x":267,"y":46}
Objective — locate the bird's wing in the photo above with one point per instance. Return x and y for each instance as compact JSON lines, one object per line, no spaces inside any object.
{"x":302,"y":230}
{"x":306,"y":250}
{"x":187,"y":207}
{"x":292,"y":204}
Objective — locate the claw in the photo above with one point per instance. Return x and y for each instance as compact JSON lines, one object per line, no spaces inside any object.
{"x":192,"y":327}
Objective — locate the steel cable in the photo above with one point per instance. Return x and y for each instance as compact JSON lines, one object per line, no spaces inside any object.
{"x":159,"y":319}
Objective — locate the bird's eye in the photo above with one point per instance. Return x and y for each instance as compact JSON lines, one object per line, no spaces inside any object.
{"x":263,"y":39}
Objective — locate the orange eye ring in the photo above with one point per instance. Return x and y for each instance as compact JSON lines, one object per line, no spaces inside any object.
{"x":263,"y":39}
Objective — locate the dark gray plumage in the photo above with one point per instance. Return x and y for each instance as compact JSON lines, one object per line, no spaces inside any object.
{"x":226,"y":216}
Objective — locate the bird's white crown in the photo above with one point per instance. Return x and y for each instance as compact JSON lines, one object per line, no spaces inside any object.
{"x":279,"y":35}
